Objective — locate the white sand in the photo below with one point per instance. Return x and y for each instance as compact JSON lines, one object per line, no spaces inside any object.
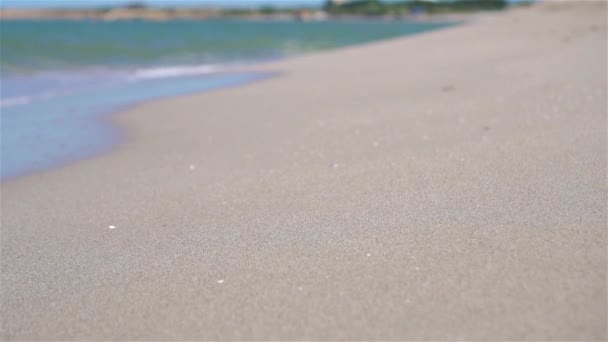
{"x":450,"y":185}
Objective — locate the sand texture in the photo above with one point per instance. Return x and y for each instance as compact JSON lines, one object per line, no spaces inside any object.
{"x":450,"y":185}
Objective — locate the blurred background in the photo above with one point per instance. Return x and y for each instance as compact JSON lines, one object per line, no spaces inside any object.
{"x":66,"y":62}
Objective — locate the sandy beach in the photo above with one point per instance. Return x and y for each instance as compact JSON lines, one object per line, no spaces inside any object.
{"x":447,"y":186}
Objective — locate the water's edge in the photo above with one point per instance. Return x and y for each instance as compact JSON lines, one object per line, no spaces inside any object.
{"x":94,"y":134}
{"x":56,"y":132}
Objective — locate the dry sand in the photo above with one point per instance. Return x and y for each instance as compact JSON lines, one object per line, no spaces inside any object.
{"x":450,"y":185}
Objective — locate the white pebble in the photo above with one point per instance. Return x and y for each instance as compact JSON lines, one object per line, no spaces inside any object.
{"x":369,"y":254}
{"x":220,"y":281}
{"x":112,"y":227}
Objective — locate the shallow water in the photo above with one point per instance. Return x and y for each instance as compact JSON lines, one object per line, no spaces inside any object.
{"x":51,"y":132}
{"x":59,"y":78}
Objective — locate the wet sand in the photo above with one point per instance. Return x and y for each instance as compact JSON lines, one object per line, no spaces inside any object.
{"x":445,"y":186}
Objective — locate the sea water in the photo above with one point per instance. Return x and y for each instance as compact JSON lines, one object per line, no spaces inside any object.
{"x":60,"y":79}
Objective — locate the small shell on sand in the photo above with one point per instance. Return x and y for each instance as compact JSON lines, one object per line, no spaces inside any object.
{"x":220,"y":281}
{"x":112,"y":227}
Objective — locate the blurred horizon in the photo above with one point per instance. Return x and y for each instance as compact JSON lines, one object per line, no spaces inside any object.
{"x":167,"y":3}
{"x":155,"y":3}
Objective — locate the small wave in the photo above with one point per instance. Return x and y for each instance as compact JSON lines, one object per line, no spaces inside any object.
{"x":15,"y":101}
{"x":83,"y":81}
{"x":26,"y":99}
{"x":175,"y":71}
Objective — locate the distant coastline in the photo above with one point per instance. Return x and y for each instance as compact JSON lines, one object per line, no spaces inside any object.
{"x":110,"y":14}
{"x":361,"y":9}
{"x":158,"y":14}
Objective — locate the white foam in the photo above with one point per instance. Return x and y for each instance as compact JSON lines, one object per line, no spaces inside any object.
{"x":15,"y":101}
{"x":175,"y":71}
{"x":137,"y":75}
{"x":22,"y":100}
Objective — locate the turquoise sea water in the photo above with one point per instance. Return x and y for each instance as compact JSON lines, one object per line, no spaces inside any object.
{"x":59,"y":78}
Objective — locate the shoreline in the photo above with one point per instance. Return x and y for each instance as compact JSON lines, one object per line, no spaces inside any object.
{"x":244,"y":72}
{"x":308,"y":14}
{"x":453,"y":18}
{"x":115,"y":135}
{"x":452,"y":187}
